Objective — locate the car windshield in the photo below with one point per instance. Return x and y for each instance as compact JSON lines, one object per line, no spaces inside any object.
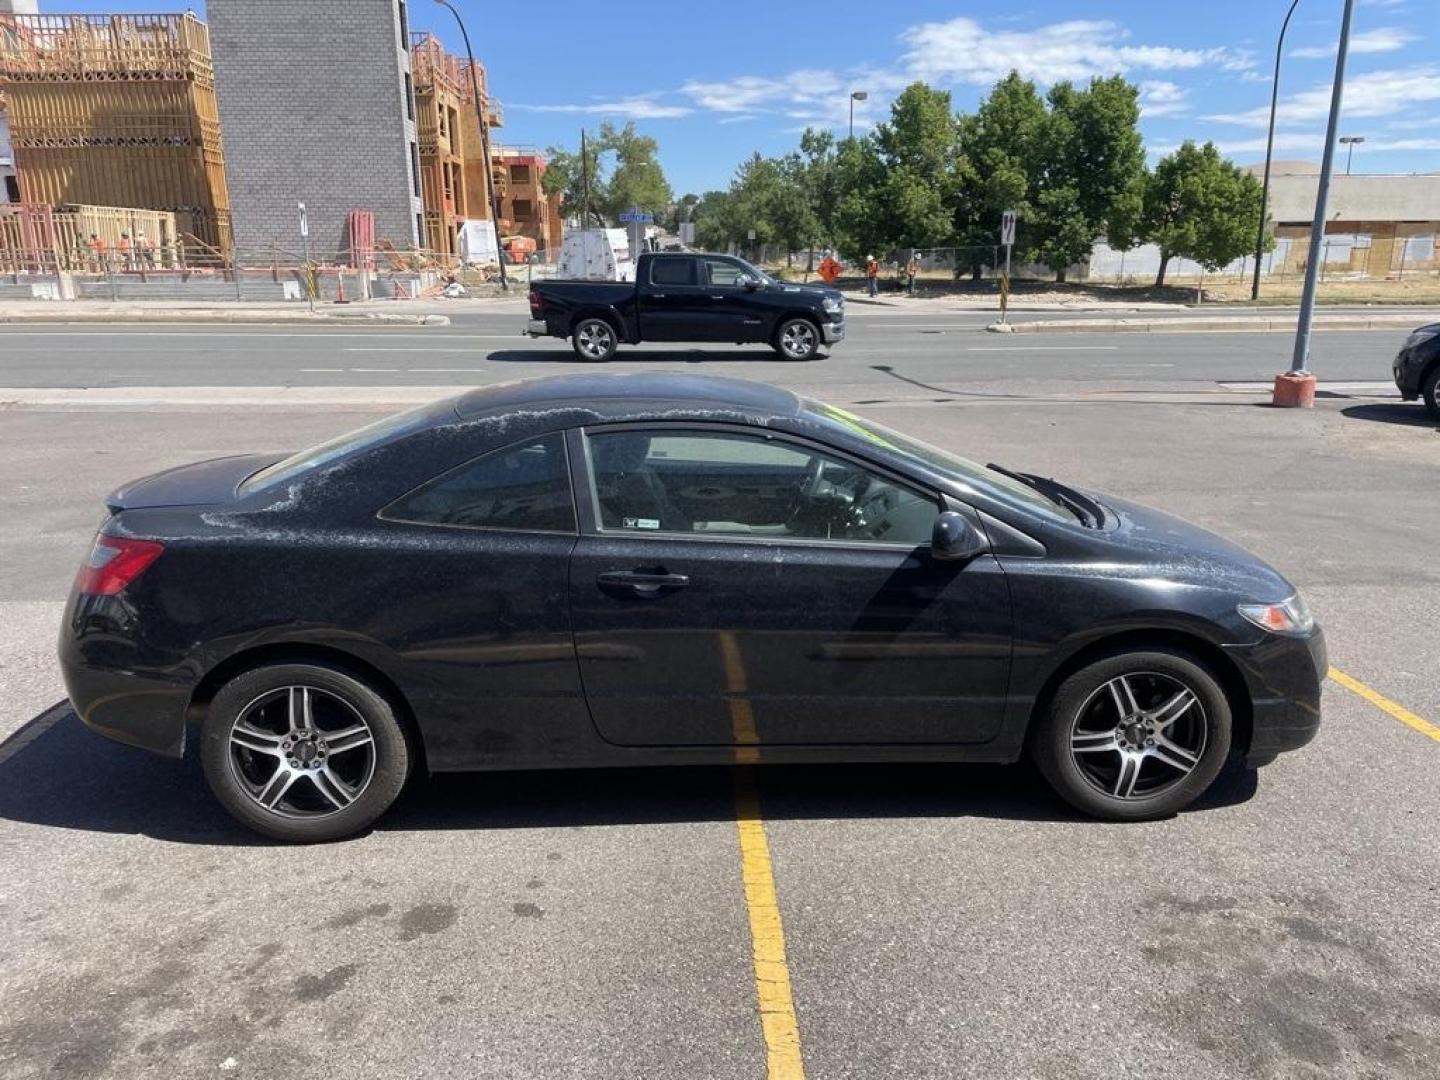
{"x":952,"y":466}
{"x":333,"y":449}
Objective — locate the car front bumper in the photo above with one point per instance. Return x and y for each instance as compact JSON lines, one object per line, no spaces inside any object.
{"x":1284,"y":676}
{"x":833,"y":331}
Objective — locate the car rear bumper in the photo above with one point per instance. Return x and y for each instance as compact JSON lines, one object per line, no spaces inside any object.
{"x":536,"y":328}
{"x":1284,"y":676}
{"x":119,"y":686}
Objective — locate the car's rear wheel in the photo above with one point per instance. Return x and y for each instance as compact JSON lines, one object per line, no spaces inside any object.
{"x":1430,"y":391}
{"x":593,"y":340}
{"x":797,"y":339}
{"x":1134,"y":736}
{"x":303,"y":752}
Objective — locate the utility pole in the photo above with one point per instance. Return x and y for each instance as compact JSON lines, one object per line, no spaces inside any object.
{"x":484,"y":143}
{"x":1269,"y":150}
{"x":1297,"y":386}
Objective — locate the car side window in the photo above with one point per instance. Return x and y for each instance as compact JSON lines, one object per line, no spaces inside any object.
{"x":669,"y":271}
{"x":722,"y":273}
{"x":525,"y":487}
{"x":731,"y":484}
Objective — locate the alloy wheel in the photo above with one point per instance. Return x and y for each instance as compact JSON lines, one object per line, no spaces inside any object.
{"x":1139,"y":735}
{"x":797,"y":340}
{"x":595,"y":340}
{"x":302,"y":752}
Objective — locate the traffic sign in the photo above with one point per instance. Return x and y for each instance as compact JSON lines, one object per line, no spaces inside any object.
{"x":304,"y":222}
{"x":636,"y":217}
{"x":1007,"y":228}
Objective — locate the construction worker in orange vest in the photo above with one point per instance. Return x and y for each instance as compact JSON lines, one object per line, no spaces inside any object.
{"x":125,"y":260}
{"x":872,"y":275}
{"x":99,"y":250}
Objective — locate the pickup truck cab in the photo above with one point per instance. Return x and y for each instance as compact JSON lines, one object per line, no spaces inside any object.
{"x":688,"y":296}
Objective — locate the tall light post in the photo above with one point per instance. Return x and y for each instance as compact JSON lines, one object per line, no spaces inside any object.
{"x":855,"y":95}
{"x":1349,"y":141}
{"x":1269,"y":149}
{"x":484,"y":144}
{"x":1297,"y":386}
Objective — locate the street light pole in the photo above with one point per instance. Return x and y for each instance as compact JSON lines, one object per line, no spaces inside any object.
{"x":1300,"y":361}
{"x":858,"y":95}
{"x":1269,"y":149}
{"x":1349,"y":141}
{"x":489,"y":172}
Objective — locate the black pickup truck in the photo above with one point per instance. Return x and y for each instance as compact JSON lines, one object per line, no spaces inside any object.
{"x":688,"y":297}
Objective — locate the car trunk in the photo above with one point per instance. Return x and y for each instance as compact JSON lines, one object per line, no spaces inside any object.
{"x":203,"y":483}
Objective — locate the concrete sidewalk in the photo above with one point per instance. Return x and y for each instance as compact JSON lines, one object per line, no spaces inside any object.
{"x":373,"y":313}
{"x":1220,"y":324}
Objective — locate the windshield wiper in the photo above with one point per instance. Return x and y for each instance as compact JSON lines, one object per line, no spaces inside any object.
{"x":1086,"y":509}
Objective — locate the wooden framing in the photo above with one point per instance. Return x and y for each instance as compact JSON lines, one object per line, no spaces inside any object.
{"x":117,"y":111}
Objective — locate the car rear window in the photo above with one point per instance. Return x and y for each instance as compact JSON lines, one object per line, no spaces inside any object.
{"x":672,"y":272}
{"x":334,"y":449}
{"x":525,"y":487}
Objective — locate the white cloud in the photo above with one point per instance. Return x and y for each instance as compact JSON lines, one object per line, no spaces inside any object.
{"x":749,"y":92}
{"x":1382,"y":39}
{"x":1418,"y":123}
{"x":1375,"y":93}
{"x":1159,"y":97}
{"x":963,"y":51}
{"x":630,"y":108}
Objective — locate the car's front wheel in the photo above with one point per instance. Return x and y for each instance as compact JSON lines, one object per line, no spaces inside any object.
{"x":797,"y":339}
{"x":593,"y":340}
{"x":303,"y":752}
{"x":1430,"y":391}
{"x":1135,"y":735}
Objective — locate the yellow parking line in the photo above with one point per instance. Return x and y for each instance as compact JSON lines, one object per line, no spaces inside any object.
{"x":767,"y":935}
{"x":1380,"y":701}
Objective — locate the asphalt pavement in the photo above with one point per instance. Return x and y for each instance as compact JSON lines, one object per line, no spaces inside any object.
{"x":934,"y":921}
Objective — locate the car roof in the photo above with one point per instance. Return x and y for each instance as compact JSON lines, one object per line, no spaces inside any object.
{"x":673,"y":395}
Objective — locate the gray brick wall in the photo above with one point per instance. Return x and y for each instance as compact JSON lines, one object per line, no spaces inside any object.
{"x":312,"y":110}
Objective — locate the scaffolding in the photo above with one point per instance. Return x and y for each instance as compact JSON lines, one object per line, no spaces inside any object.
{"x":117,"y":111}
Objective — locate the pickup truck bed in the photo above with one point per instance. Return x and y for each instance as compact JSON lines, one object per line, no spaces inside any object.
{"x":688,"y":297}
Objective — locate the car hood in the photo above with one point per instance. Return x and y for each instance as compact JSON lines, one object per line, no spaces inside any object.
{"x":203,"y":483}
{"x":1183,"y":551}
{"x":817,"y":291}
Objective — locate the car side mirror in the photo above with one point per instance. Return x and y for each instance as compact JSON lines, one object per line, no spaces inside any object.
{"x":749,"y":283}
{"x":956,"y":538}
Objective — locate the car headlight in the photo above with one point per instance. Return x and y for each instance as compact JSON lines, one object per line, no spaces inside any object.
{"x":1419,"y":337}
{"x":1291,"y":617}
{"x":834,"y":305}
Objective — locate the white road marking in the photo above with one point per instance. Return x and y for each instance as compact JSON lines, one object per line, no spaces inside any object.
{"x":1042,"y":348}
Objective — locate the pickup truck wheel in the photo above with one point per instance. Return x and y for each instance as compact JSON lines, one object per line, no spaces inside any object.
{"x":593,"y":340}
{"x":797,"y":339}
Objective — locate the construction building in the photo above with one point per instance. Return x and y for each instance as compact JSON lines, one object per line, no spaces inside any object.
{"x":525,"y":208}
{"x":116,"y":111}
{"x":318,"y":107}
{"x":9,"y":183}
{"x":454,"y":185}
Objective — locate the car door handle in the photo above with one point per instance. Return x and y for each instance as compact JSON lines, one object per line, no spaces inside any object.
{"x":717,"y":298}
{"x":657,"y":296}
{"x":645,"y":583}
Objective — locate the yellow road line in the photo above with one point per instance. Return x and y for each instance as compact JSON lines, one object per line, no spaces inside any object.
{"x":1380,"y":701}
{"x":767,"y":935}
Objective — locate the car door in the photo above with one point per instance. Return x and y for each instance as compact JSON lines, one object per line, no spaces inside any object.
{"x":738,"y":315}
{"x":734,"y":586}
{"x":673,"y":306}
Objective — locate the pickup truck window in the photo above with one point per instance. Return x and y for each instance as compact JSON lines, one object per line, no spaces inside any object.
{"x":672,"y":271}
{"x":722,"y":273}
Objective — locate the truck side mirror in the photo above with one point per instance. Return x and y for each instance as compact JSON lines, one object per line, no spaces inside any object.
{"x":956,"y":538}
{"x":748,"y":282}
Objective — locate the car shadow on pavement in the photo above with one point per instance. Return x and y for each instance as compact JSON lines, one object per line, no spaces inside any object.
{"x":1392,"y":412}
{"x":753,"y":354}
{"x":57,"y":773}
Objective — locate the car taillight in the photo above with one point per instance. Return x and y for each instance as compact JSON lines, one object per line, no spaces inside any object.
{"x":537,"y":305}
{"x":114,"y":563}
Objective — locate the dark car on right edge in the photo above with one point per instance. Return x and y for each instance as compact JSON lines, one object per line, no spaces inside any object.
{"x":1417,"y":367}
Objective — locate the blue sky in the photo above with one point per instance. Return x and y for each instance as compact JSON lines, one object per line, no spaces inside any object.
{"x":712,"y":82}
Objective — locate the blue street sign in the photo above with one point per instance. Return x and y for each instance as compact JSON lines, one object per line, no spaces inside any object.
{"x":636,"y":216}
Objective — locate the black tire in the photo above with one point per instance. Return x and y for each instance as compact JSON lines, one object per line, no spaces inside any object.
{"x":594,"y":340}
{"x":1079,"y":710}
{"x":797,"y":339}
{"x":333,"y":694}
{"x":1430,"y":391}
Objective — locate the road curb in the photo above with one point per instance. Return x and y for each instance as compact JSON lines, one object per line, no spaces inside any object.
{"x":242,"y":318}
{"x":1201,"y":324}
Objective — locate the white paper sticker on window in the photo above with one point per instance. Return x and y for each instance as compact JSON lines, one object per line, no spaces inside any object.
{"x":641,"y":523}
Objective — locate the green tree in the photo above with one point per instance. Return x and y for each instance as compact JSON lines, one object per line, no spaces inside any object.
{"x":716,"y":225}
{"x":565,"y":177}
{"x":1200,"y":206}
{"x":624,"y":171}
{"x":818,"y":172}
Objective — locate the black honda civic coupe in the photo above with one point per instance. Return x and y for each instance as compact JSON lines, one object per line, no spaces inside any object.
{"x":649,"y":569}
